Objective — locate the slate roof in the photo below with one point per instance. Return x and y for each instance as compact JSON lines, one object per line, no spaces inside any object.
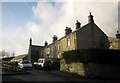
{"x":20,"y":57}
{"x":36,"y":47}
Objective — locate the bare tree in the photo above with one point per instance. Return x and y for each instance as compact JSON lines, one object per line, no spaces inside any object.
{"x":3,"y":53}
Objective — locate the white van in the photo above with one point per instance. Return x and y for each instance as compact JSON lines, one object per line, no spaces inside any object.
{"x":42,"y":63}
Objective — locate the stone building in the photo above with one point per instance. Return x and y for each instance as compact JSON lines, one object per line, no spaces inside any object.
{"x":34,"y":52}
{"x":85,"y":37}
{"x":88,"y":36}
{"x":115,"y":42}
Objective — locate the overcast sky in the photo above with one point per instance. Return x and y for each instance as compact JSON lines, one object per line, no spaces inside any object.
{"x":41,"y":20}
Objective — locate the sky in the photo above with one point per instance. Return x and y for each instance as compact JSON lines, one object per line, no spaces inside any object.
{"x":41,"y":19}
{"x":119,"y":16}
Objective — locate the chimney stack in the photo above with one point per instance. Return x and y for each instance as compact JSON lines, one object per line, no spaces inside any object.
{"x":30,"y":42}
{"x":55,"y":38}
{"x":90,"y":18}
{"x":68,"y":30}
{"x":78,"y":24}
{"x":118,"y":35}
{"x":46,"y":44}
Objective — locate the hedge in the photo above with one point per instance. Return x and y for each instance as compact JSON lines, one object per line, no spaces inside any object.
{"x":93,"y":55}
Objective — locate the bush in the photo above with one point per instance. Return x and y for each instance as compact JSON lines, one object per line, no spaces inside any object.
{"x":71,"y":55}
{"x":55,"y":64}
{"x":93,"y":55}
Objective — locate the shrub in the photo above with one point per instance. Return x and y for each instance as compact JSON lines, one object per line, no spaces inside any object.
{"x":93,"y":55}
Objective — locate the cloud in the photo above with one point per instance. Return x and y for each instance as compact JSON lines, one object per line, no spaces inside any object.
{"x":37,"y":32}
{"x":0,"y":24}
{"x":61,"y":14}
{"x":15,"y":42}
{"x":55,"y":16}
{"x":119,"y":16}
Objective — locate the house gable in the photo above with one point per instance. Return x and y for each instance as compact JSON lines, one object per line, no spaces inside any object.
{"x":91,"y":36}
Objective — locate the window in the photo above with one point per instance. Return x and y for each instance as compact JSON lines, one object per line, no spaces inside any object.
{"x":40,"y":60}
{"x":68,"y":41}
{"x":48,"y":51}
{"x":58,"y":56}
{"x":51,"y":49}
{"x":58,"y":47}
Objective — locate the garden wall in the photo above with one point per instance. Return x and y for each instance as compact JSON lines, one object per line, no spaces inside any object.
{"x":92,"y":70}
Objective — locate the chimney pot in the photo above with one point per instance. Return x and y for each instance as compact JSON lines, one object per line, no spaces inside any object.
{"x":55,"y":38}
{"x":68,"y":30}
{"x":30,"y":41}
{"x":46,"y":43}
{"x":90,"y":18}
{"x":78,"y":24}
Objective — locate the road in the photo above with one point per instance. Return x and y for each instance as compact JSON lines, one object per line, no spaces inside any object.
{"x":49,"y":76}
{"x":40,"y":75}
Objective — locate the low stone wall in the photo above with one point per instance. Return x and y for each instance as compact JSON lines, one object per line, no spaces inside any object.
{"x":92,"y":70}
{"x":72,"y":67}
{"x":96,"y":70}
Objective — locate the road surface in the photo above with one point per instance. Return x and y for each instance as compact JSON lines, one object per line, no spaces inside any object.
{"x":38,"y":76}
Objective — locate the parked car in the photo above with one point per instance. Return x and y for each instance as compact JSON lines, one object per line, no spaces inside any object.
{"x":25,"y":64}
{"x":42,"y":63}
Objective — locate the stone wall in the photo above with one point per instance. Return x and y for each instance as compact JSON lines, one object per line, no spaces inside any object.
{"x":114,"y":43}
{"x":73,"y":67}
{"x":102,"y":70}
{"x":92,"y":70}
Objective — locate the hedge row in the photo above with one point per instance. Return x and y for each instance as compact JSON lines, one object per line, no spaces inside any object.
{"x":93,"y":55}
